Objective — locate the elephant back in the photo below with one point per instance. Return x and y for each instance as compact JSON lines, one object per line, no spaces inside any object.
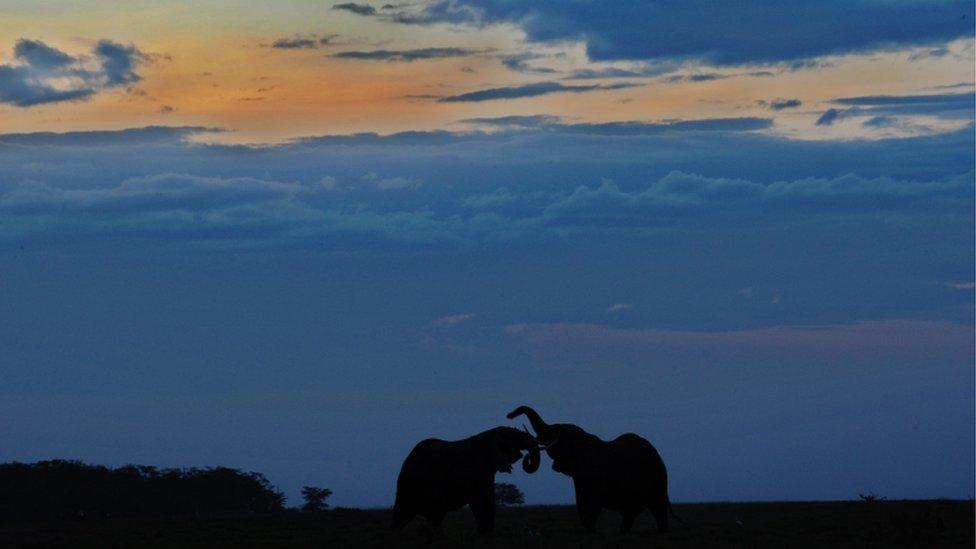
{"x":634,"y":452}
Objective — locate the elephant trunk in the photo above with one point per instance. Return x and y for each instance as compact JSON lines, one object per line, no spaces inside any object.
{"x":540,"y":427}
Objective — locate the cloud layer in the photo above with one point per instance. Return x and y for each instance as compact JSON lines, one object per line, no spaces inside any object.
{"x":263,"y":211}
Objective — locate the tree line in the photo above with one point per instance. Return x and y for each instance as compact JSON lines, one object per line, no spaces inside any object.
{"x":72,"y":490}
{"x":62,"y":489}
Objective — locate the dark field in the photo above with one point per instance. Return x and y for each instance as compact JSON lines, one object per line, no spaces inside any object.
{"x":840,"y":524}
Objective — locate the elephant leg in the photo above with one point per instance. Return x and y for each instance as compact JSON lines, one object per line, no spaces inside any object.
{"x":588,"y":507}
{"x":588,"y":513}
{"x":483,"y":507}
{"x":400,"y":518}
{"x":627,"y":523}
{"x":659,"y":508}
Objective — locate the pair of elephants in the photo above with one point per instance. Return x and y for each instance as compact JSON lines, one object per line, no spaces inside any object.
{"x":625,"y":474}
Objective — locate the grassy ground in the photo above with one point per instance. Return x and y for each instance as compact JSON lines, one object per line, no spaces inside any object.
{"x":838,"y":524}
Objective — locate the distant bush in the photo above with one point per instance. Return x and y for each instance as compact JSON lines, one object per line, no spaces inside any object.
{"x":870,"y":498}
{"x":508,"y":494}
{"x":315,"y":498}
{"x":62,"y":489}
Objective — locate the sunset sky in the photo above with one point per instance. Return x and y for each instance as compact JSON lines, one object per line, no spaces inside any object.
{"x":299,"y":236}
{"x":279,"y":70}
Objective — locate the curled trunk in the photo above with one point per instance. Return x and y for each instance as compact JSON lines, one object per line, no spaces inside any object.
{"x":540,"y":427}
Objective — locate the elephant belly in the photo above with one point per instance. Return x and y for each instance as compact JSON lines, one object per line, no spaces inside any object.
{"x":440,"y":492}
{"x":622,"y":494}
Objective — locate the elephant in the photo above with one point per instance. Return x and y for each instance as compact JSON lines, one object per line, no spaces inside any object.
{"x":439,"y":476}
{"x":625,"y":474}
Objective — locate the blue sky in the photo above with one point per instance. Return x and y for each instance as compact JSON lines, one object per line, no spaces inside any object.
{"x":613,"y":215}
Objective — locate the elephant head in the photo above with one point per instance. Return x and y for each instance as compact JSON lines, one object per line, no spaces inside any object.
{"x":564,"y":442}
{"x":507,"y":445}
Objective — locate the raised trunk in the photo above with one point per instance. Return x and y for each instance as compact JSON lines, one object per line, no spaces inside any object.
{"x":540,"y":427}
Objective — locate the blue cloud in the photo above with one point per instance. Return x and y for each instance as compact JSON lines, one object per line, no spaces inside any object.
{"x":680,"y":196}
{"x":744,"y":124}
{"x":949,"y":105}
{"x":829,"y":117}
{"x":516,"y":121}
{"x":955,"y":104}
{"x":118,"y":62}
{"x":780,"y":103}
{"x":642,"y":70}
{"x":722,"y":33}
{"x":880,"y":122}
{"x":358,"y":9}
{"x":19,"y":87}
{"x":697,"y":77}
{"x":43,"y":74}
{"x":295,"y":43}
{"x":129,"y":137}
{"x":532,"y":90}
{"x":520,"y":63}
{"x":38,"y":54}
{"x":407,"y":55}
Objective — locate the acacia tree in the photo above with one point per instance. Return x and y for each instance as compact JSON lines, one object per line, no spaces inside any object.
{"x":508,"y":494}
{"x":315,"y":498}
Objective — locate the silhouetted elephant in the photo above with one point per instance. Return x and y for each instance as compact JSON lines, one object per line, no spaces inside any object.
{"x":439,"y":476}
{"x":625,"y":474}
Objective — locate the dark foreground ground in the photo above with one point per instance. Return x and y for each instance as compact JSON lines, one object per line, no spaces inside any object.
{"x":838,"y":524}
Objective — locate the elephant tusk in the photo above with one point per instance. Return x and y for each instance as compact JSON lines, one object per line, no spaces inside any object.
{"x":547,"y":446}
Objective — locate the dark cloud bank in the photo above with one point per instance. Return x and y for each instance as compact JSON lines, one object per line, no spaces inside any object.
{"x":721,"y":33}
{"x":665,"y":174}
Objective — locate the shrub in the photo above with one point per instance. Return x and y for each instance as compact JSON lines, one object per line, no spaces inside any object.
{"x":508,"y":494}
{"x":315,"y":498}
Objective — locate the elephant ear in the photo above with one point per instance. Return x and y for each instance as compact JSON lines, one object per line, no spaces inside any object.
{"x":566,"y":451}
{"x":565,"y":465}
{"x":562,"y":466}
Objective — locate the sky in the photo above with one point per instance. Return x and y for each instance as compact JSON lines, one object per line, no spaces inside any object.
{"x":298,"y":237}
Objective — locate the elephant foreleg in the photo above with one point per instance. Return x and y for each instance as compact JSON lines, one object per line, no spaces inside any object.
{"x":659,"y":508}
{"x":401,"y":516}
{"x":483,"y":507}
{"x":588,"y":507}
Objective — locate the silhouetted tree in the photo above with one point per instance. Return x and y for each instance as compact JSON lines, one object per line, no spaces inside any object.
{"x":508,"y":494}
{"x":315,"y":498}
